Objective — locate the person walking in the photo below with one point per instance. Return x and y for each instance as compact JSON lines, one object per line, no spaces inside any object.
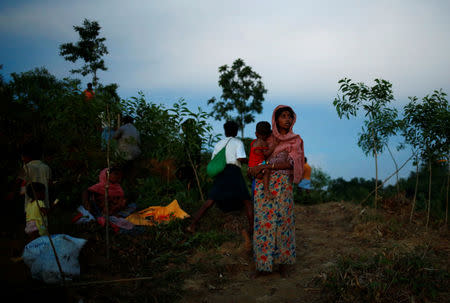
{"x":229,"y":190}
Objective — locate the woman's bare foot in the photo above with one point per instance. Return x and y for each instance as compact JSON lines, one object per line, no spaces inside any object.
{"x":284,"y":270}
{"x":248,"y":246}
{"x":190,"y":229}
{"x":258,"y":274}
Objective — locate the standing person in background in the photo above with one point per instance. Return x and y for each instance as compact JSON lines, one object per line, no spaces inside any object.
{"x":229,"y":190}
{"x":34,"y":170}
{"x":128,"y":142}
{"x":89,"y":92}
{"x":305,"y":184}
{"x":274,"y":226}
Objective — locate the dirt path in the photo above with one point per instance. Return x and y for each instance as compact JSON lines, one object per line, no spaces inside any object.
{"x":324,"y":232}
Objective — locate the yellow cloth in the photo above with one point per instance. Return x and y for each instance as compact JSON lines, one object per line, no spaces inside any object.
{"x":307,"y":172}
{"x":33,"y":214}
{"x":157,"y":214}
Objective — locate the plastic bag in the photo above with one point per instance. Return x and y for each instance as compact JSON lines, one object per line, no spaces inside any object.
{"x":39,"y":257}
{"x":83,"y":216}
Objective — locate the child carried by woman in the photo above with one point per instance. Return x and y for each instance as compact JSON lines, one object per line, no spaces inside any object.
{"x":259,"y":152}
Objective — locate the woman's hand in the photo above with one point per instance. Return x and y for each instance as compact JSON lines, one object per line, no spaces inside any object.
{"x":254,"y":171}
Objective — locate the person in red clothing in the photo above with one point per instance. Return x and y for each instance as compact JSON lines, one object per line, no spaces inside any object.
{"x":259,"y":152}
{"x":88,"y":92}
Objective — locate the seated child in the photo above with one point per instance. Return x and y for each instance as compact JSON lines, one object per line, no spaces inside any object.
{"x":36,"y":212}
{"x":94,"y":196}
{"x":259,"y":152}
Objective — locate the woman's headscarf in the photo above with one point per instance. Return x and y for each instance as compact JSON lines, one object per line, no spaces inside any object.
{"x":290,"y":142}
{"x":114,"y":189}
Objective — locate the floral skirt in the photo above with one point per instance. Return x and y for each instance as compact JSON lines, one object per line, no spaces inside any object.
{"x":274,"y":225}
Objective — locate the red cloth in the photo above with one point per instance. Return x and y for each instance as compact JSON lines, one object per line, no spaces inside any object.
{"x":114,"y":190}
{"x":88,"y":95}
{"x":290,"y":142}
{"x":254,"y":158}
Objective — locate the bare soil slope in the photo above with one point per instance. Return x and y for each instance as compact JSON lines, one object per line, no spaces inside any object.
{"x":324,"y":233}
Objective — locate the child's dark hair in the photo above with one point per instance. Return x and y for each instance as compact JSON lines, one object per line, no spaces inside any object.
{"x":115,"y":169}
{"x":231,"y":128}
{"x":263,"y":128}
{"x":35,"y":187}
{"x":33,"y":150}
{"x":127,"y":119}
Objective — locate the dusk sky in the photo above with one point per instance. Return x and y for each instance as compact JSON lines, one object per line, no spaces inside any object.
{"x":172,"y":50}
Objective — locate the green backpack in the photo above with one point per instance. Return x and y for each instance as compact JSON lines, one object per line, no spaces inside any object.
{"x":218,"y":163}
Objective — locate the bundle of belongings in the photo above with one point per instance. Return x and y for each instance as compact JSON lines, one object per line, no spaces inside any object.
{"x":157,"y":214}
{"x":127,"y":218}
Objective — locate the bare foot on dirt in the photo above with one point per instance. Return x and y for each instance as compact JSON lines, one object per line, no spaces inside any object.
{"x":284,"y":270}
{"x":257,"y":274}
{"x":247,"y":242}
{"x":190,"y":229}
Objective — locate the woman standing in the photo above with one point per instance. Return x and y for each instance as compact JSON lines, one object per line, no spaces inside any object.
{"x":274,"y":224}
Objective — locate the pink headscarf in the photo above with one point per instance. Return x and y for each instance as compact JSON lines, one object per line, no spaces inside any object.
{"x":290,"y":142}
{"x":114,"y":189}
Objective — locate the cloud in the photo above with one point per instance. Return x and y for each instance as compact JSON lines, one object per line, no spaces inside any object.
{"x":299,"y":48}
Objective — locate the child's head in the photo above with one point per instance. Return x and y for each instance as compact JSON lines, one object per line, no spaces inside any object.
{"x":231,"y":128}
{"x":36,"y":191}
{"x":31,"y":151}
{"x":263,"y":130}
{"x":115,"y":174}
{"x":127,"y":119}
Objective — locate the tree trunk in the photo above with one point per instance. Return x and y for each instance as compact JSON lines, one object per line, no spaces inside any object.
{"x":446,"y":198}
{"x":94,"y":79}
{"x":376,"y":171}
{"x":396,"y":168}
{"x":429,"y":193}
{"x":415,"y":191}
{"x":242,"y":126}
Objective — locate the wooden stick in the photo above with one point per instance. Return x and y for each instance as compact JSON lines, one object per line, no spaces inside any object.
{"x":196,"y":176}
{"x":48,"y":233}
{"x":111,"y":281}
{"x":107,"y":183}
{"x":429,"y":194}
{"x":387,"y":179}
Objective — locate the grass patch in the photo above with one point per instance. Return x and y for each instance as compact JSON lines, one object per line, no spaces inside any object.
{"x":387,"y":277}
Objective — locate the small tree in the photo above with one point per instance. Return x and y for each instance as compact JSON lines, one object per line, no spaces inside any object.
{"x":90,"y":48}
{"x":242,"y":91}
{"x":426,"y":128}
{"x":381,"y":121}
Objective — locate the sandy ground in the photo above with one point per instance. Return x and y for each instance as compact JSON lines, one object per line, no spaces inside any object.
{"x":324,"y":233}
